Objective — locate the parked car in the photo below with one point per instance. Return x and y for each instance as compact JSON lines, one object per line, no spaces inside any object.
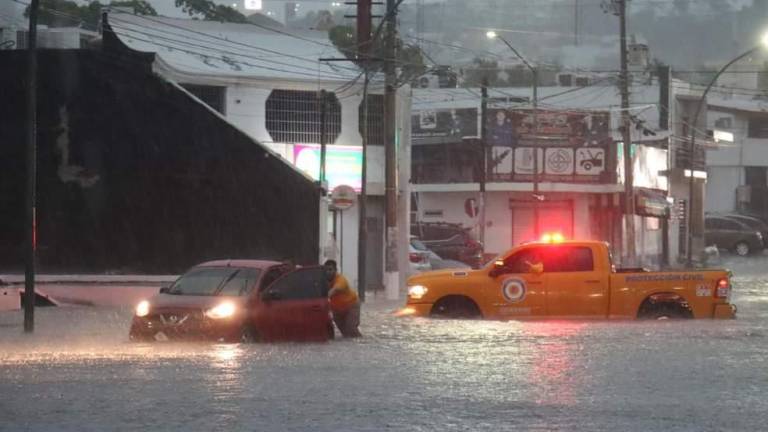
{"x":751,"y":221}
{"x":733,"y":235}
{"x":418,"y":256}
{"x":238,"y":301}
{"x":436,"y":262}
{"x":449,"y":241}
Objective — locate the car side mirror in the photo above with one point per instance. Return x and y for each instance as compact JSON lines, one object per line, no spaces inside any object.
{"x":498,"y":268}
{"x":270,"y":295}
{"x":165,"y":289}
{"x":536,"y":268}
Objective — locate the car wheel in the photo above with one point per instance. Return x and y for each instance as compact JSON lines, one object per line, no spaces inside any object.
{"x":248,"y":335}
{"x":455,"y":307}
{"x":742,"y":249}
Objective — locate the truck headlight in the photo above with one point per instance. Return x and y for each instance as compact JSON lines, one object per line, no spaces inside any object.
{"x":142,"y":309}
{"x":417,"y":292}
{"x":223,"y":310}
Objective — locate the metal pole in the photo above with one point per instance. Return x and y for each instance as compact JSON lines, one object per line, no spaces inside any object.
{"x":390,"y":126}
{"x":536,"y":195}
{"x":692,"y":149}
{"x":31,"y":195}
{"x":484,"y":158}
{"x":629,"y":197}
{"x":576,"y":22}
{"x":323,"y":120}
{"x":362,"y":239}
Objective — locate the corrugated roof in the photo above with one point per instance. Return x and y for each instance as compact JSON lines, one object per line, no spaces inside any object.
{"x":206,"y":48}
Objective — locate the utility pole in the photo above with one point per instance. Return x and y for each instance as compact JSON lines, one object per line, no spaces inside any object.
{"x":364,"y":28}
{"x":31,"y":204}
{"x":629,"y":196}
{"x":484,"y":157}
{"x":390,"y":151}
{"x":536,"y":195}
{"x":323,"y":121}
{"x":576,"y":22}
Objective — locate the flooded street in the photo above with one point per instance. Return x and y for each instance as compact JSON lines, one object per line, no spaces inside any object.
{"x":80,"y":373}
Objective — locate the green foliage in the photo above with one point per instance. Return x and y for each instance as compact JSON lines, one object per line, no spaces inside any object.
{"x":66,"y":13}
{"x":410,"y":60}
{"x":210,"y":11}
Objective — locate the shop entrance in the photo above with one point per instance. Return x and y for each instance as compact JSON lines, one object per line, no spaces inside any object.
{"x":554,"y":216}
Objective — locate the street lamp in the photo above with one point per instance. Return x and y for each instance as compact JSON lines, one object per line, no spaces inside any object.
{"x":534,"y":71}
{"x":692,"y":148}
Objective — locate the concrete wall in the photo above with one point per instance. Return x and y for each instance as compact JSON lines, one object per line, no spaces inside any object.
{"x":722,"y":182}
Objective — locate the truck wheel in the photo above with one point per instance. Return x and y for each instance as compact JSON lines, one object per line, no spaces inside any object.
{"x":742,"y":249}
{"x":665,"y":311}
{"x":456,"y":307}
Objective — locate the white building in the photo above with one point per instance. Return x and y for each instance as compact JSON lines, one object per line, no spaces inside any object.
{"x":737,"y":165}
{"x":269,"y":83}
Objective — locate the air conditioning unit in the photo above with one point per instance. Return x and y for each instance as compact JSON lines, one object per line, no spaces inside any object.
{"x":428,"y":81}
{"x":744,"y":194}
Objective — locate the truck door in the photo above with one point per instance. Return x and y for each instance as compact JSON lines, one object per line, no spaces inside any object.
{"x":518,"y":291}
{"x":576,"y":286}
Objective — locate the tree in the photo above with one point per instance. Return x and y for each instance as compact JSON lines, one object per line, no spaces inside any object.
{"x":66,"y":13}
{"x":210,"y":11}
{"x":409,"y":58}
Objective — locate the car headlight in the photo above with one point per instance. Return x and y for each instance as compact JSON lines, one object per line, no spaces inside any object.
{"x":223,"y":310}
{"x":759,"y":235}
{"x":417,"y":292}
{"x":142,"y":309}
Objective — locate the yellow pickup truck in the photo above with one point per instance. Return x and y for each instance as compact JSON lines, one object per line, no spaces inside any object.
{"x":569,"y":279}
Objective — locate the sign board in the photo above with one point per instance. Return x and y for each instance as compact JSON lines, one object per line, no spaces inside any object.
{"x":572,"y":146}
{"x":343,"y":197}
{"x":343,"y":164}
{"x":444,"y":125}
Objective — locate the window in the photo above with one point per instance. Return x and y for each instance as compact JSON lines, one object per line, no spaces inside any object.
{"x":559,"y":259}
{"x":205,"y":281}
{"x":241,"y":283}
{"x":756,"y":176}
{"x":730,"y":225}
{"x":375,"y":119}
{"x":652,"y":224}
{"x":272,"y":275}
{"x":306,"y":283}
{"x":724,"y":123}
{"x":522,"y":261}
{"x":758,"y":127}
{"x":295,"y":116}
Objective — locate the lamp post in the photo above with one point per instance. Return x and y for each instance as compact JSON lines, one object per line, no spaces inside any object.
{"x":535,"y":84}
{"x":692,"y":147}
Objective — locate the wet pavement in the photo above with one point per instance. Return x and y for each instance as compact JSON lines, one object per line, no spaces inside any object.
{"x":78,"y":372}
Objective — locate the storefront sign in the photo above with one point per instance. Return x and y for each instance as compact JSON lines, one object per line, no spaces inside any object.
{"x":572,"y":146}
{"x":343,"y":164}
{"x":442,"y":126}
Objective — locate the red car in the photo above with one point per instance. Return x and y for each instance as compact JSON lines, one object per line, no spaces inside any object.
{"x":238,"y":301}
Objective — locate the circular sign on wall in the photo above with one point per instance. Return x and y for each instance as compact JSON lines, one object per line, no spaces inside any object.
{"x":343,"y":197}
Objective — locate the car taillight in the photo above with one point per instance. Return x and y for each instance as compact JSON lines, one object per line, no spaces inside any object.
{"x":723,"y":288}
{"x":416,"y":257}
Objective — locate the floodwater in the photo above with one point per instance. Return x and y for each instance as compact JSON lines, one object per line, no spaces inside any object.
{"x":78,"y":372}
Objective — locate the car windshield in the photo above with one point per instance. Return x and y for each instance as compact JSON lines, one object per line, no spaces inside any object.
{"x":215,"y":281}
{"x":418,"y":245}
